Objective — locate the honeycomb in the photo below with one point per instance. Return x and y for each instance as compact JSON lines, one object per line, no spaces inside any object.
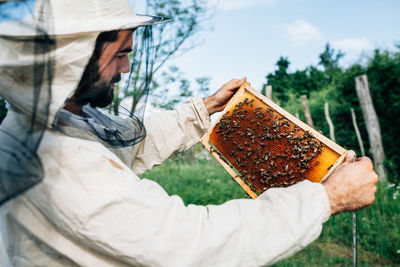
{"x":265,"y":147}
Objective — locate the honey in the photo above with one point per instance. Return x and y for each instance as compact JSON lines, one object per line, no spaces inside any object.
{"x":264,"y":146}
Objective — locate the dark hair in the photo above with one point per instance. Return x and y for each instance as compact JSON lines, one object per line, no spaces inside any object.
{"x":91,"y":73}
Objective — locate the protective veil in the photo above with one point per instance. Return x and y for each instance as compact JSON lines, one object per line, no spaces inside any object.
{"x":69,"y":188}
{"x":26,"y":76}
{"x":32,"y":41}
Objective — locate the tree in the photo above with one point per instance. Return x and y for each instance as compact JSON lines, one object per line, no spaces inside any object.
{"x":203,"y":84}
{"x":280,"y":80}
{"x":329,"y":60}
{"x":301,"y":82}
{"x":170,"y":40}
{"x":176,"y":88}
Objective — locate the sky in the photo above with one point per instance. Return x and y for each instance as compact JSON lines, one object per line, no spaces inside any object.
{"x":249,"y":36}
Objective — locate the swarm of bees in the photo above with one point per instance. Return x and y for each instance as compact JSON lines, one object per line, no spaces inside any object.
{"x":266,"y":149}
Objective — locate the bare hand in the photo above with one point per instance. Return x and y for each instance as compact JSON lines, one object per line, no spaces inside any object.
{"x":351,"y":186}
{"x":218,"y":101}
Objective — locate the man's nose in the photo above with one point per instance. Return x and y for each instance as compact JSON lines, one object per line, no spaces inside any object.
{"x":124,"y":66}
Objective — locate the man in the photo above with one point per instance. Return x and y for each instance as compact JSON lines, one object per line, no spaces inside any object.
{"x":91,"y":209}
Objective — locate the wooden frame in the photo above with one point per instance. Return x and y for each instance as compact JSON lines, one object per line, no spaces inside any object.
{"x":242,"y":90}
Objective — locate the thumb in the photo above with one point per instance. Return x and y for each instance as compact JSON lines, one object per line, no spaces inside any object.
{"x":350,"y":156}
{"x":243,"y":80}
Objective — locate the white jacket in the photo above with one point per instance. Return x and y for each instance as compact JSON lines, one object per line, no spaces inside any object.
{"x":92,"y":209}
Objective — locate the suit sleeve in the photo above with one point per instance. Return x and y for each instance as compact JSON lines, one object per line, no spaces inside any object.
{"x":100,"y":203}
{"x":169,"y":132}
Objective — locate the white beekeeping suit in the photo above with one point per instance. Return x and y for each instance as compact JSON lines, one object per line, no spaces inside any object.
{"x":78,"y":200}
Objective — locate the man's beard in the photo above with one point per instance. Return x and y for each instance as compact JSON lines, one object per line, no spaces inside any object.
{"x":98,"y":95}
{"x":103,"y":94}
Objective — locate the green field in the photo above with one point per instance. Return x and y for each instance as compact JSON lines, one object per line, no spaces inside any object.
{"x":206,"y":182}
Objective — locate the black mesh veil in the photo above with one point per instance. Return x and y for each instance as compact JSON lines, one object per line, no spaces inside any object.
{"x":82,"y":73}
{"x":143,"y":54}
{"x":121,"y":95}
{"x":25,"y":83}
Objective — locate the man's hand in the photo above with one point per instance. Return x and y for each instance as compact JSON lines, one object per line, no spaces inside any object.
{"x":217,"y":101}
{"x":351,"y":186}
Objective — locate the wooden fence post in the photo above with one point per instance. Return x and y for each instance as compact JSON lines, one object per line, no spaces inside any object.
{"x":306,"y":110}
{"x":268,"y":91}
{"x":328,"y":119}
{"x":372,"y":123}
{"x":360,"y":142}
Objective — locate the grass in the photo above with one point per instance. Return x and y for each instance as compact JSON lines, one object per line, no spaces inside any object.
{"x":199,"y":183}
{"x":206,"y":182}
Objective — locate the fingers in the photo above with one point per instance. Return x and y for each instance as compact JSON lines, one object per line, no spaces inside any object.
{"x":234,"y":83}
{"x":375,"y":178}
{"x":363,"y":160}
{"x":367,"y":162}
{"x":350,"y":156}
{"x":244,"y":79}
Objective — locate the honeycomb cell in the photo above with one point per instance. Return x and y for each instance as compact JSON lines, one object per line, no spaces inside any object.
{"x":266,"y":147}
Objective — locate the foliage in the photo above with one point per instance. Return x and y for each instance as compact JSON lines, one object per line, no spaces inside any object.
{"x":329,"y":60}
{"x":334,"y":84}
{"x":206,"y":182}
{"x":280,"y":80}
{"x":170,"y":40}
{"x":174,"y":88}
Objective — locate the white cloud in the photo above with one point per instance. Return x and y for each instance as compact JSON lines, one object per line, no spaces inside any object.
{"x":301,"y":31}
{"x":239,"y":4}
{"x":352,"y":44}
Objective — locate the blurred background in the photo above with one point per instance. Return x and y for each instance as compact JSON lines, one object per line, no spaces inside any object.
{"x":320,"y":60}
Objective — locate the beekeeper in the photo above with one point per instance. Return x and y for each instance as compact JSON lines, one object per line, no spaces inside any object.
{"x":70,"y":190}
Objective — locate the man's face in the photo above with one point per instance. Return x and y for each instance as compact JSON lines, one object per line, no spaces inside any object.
{"x":112,"y":62}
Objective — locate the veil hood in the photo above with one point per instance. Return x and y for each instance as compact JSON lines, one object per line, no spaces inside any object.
{"x":45,"y":46}
{"x":60,"y":34}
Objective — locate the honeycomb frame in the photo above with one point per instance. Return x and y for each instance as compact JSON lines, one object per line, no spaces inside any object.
{"x":319,"y":166}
